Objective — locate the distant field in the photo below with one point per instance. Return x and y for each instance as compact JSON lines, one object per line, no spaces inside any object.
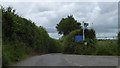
{"x":107,"y":42}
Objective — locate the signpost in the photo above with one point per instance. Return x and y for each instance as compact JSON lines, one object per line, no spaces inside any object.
{"x":78,"y":38}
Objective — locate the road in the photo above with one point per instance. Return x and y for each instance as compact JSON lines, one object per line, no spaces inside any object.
{"x":69,"y":60}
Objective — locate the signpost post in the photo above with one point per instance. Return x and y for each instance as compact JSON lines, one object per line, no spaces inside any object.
{"x":84,"y":26}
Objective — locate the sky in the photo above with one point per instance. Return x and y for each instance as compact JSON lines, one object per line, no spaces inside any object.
{"x":103,"y":15}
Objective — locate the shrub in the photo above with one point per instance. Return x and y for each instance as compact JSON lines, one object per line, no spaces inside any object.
{"x":54,"y":46}
{"x":22,"y":37}
{"x":119,"y":38}
{"x":72,"y":47}
{"x":106,"y":47}
{"x":119,"y":43}
{"x":13,"y":53}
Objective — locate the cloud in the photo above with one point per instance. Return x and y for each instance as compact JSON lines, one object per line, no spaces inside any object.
{"x":107,"y":21}
{"x":55,"y":35}
{"x":51,"y":30}
{"x":103,"y":15}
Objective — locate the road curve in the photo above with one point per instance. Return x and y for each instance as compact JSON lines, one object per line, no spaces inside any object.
{"x":69,"y":60}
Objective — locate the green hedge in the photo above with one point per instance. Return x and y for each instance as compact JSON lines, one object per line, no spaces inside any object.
{"x":106,"y":47}
{"x":72,"y":47}
{"x":119,"y":38}
{"x":55,"y":46}
{"x":21,"y":37}
{"x":119,"y":43}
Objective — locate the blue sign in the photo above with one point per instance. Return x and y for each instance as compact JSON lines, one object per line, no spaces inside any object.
{"x":78,"y":38}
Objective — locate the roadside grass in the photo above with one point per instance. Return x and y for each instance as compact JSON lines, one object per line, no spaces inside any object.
{"x":13,"y":53}
{"x":106,"y":47}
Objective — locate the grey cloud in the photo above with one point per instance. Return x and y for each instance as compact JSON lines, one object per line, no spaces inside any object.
{"x":107,"y":7}
{"x":51,"y":30}
{"x":105,"y":29}
{"x":119,"y":16}
{"x":48,"y":14}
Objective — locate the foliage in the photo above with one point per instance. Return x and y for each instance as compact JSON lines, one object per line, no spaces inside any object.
{"x":55,"y":46}
{"x":93,"y":47}
{"x":119,"y":43}
{"x":66,"y":25}
{"x":119,"y":38}
{"x":13,"y":53}
{"x":22,"y":37}
{"x":90,"y":33}
{"x":72,"y":47}
{"x":106,"y":47}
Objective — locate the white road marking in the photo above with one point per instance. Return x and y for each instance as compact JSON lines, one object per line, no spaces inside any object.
{"x":73,"y":63}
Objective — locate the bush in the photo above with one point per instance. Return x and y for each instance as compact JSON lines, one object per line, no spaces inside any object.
{"x":72,"y":47}
{"x":22,"y":37}
{"x":13,"y":53}
{"x":55,"y":46}
{"x":119,"y":43}
{"x":119,"y":38}
{"x":106,"y":47}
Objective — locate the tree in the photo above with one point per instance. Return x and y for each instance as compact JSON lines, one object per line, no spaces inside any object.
{"x":67,"y":25}
{"x":90,"y":33}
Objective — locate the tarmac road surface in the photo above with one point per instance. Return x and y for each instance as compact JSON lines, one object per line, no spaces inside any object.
{"x":58,"y":59}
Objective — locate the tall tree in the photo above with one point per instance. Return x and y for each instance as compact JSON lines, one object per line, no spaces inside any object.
{"x":66,"y":25}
